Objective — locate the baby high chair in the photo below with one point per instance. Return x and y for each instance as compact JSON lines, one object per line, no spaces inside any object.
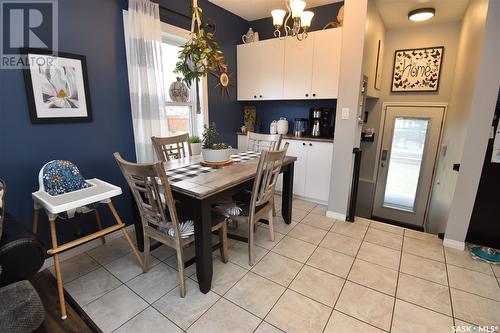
{"x":63,"y":193}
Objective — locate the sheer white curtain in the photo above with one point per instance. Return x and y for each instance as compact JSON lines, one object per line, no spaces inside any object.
{"x":144,"y":60}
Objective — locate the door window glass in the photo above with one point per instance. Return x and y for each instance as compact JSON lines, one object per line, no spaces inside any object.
{"x":405,"y":163}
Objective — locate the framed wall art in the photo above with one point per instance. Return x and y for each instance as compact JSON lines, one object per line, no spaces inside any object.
{"x":378,"y":67}
{"x":417,"y":69}
{"x":57,"y":87}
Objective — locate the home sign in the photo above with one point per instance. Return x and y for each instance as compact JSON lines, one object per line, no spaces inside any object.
{"x":417,"y":69}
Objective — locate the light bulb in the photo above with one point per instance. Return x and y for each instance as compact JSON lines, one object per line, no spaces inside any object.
{"x":306,"y":18}
{"x":278,"y":15}
{"x":297,"y":7}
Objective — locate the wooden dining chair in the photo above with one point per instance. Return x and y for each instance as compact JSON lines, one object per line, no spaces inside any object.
{"x":262,"y":197}
{"x":172,"y":147}
{"x":149,"y":183}
{"x":259,"y":142}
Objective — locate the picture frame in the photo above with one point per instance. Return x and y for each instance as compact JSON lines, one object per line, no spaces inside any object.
{"x":378,"y":67}
{"x":57,"y":87}
{"x":417,"y":70}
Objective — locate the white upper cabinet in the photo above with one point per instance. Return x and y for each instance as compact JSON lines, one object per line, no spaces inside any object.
{"x":326,"y":63}
{"x":271,"y":55}
{"x":298,"y":67}
{"x":274,"y":69}
{"x":260,"y":70}
{"x":248,"y":73}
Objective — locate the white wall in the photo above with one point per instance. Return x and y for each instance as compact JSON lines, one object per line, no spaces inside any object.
{"x":347,"y":132}
{"x":481,"y":103}
{"x":446,"y":35}
{"x":374,"y":31}
{"x":469,"y":50}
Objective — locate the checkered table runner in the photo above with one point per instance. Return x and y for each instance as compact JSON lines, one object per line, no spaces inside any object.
{"x":193,"y":170}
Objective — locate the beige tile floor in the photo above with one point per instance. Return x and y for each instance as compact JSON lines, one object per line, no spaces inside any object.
{"x":319,"y":275}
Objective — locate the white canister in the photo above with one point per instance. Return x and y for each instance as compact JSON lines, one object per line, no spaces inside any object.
{"x":274,"y":127}
{"x":282,"y":126}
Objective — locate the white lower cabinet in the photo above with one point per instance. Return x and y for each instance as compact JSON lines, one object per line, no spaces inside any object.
{"x":318,"y":170}
{"x":312,"y":169}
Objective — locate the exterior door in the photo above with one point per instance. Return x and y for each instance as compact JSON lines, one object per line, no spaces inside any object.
{"x":408,"y":155}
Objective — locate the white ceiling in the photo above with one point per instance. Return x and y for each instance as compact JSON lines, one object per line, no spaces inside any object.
{"x":256,"y":9}
{"x":394,"y":13}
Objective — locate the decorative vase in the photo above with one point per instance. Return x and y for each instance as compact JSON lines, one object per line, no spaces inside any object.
{"x":273,"y":129}
{"x":250,"y":36}
{"x":282,"y":126}
{"x":196,"y":148}
{"x":178,"y":91}
{"x":216,"y":155}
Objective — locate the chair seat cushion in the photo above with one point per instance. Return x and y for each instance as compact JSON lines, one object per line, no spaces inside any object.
{"x":240,"y":200}
{"x":21,"y":309}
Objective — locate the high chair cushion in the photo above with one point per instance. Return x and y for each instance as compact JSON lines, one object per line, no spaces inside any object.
{"x":60,"y":176}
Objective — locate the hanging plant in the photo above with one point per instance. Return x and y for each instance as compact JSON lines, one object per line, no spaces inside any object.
{"x":201,"y":54}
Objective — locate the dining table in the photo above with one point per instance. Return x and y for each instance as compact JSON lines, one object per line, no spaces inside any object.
{"x":200,"y":187}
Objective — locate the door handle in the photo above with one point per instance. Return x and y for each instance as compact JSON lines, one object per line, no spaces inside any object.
{"x":383,"y":158}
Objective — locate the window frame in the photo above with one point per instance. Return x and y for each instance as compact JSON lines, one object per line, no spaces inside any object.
{"x":196,"y":128}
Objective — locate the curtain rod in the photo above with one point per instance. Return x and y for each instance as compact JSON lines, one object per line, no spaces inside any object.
{"x":174,"y":12}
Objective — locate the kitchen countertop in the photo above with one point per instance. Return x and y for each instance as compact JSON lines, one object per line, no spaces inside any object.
{"x":302,"y":138}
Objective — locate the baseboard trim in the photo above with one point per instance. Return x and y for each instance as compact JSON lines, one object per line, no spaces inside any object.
{"x":49,"y":262}
{"x":335,"y":215}
{"x":453,"y":244}
{"x":295,"y":196}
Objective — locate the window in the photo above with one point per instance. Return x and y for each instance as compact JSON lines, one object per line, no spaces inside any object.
{"x":181,"y":117}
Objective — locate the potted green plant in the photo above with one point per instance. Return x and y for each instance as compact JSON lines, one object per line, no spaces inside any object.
{"x":195,"y":143}
{"x":200,"y":55}
{"x":211,"y":151}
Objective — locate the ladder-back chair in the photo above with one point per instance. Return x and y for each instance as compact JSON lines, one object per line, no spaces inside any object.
{"x":151,"y":190}
{"x":172,"y":147}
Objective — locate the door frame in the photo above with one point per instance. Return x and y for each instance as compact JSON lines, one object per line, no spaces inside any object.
{"x":383,"y":114}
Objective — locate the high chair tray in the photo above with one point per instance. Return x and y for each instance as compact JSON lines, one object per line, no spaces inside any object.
{"x":100,"y":191}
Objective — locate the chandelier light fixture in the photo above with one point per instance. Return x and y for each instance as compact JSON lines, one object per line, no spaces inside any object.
{"x":301,"y":20}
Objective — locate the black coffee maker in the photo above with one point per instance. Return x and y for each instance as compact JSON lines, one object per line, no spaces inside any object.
{"x":322,"y":122}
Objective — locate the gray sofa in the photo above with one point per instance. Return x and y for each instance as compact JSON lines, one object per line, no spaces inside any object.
{"x":21,"y":256}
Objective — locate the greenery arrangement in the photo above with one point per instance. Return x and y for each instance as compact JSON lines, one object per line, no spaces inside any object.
{"x":194,"y":139}
{"x":201,"y":54}
{"x":209,"y":135}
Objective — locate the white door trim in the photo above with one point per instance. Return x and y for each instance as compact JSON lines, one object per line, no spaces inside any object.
{"x":385,"y":105}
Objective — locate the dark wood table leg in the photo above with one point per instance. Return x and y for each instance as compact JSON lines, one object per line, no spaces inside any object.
{"x":137,"y":223}
{"x":287,"y":194}
{"x":203,"y":244}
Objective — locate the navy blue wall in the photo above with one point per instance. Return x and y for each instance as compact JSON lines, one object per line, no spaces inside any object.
{"x":94,"y":28}
{"x":268,"y":111}
{"x":225,"y":112}
{"x":322,"y":16}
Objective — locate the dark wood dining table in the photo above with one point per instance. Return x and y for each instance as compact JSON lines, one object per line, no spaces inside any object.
{"x":200,"y":192}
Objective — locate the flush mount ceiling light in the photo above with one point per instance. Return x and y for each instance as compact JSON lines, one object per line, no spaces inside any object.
{"x":421,"y":14}
{"x":301,"y":20}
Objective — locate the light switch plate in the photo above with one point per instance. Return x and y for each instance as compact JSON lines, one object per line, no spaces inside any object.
{"x":345,"y":113}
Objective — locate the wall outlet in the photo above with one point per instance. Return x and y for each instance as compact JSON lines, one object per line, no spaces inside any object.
{"x":345,"y":113}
